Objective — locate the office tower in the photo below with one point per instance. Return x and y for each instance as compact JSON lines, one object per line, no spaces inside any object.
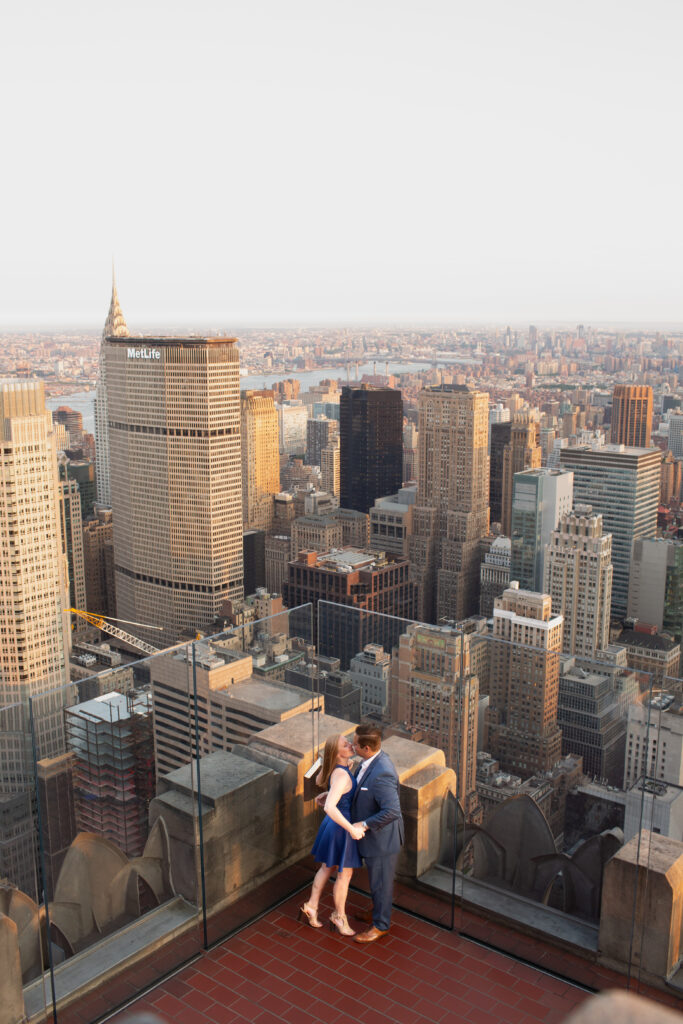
{"x":622,"y":485}
{"x":522,"y":452}
{"x":670,"y":480}
{"x":72,"y":421}
{"x":176,"y":488}
{"x":329,"y":466}
{"x":352,"y":582}
{"x":539,"y":498}
{"x":278,"y":555}
{"x":434,"y":691}
{"x":115,"y":327}
{"x":83,"y":472}
{"x":494,"y":574}
{"x":34,"y":654}
{"x":631,"y":415}
{"x":592,"y":712}
{"x":410,"y":459}
{"x":355,"y":528}
{"x":578,"y":577}
{"x":675,"y":420}
{"x":310,"y":502}
{"x":292,"y":420}
{"x":341,"y":694}
{"x":500,"y":438}
{"x":98,"y":563}
{"x":111,"y":740}
{"x":451,"y":514}
{"x":370,"y":670}
{"x":521,"y":719}
{"x":319,"y":434}
{"x":654,"y":742}
{"x":654,"y":654}
{"x":315,"y":533}
{"x":370,"y":432}
{"x":232,"y":704}
{"x":72,"y":542}
{"x":254,"y":556}
{"x":391,"y":521}
{"x":260,"y":458}
{"x":655,"y":592}
{"x":58,"y":813}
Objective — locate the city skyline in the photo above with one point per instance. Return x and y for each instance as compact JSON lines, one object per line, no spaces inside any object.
{"x":378,"y":164}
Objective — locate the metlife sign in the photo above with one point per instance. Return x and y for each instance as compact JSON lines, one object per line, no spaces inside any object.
{"x":144,"y":353}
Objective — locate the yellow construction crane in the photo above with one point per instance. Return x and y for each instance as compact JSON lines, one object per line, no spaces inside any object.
{"x":101,"y":623}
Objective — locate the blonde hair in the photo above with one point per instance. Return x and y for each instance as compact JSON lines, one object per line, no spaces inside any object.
{"x":330,"y":754}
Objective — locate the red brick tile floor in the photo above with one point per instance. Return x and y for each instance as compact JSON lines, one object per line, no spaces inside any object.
{"x":276,"y":970}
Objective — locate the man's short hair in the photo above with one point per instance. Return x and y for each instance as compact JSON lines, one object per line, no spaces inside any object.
{"x":369,"y":735}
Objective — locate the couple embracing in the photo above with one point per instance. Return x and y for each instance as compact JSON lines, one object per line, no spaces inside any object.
{"x":362,"y":820}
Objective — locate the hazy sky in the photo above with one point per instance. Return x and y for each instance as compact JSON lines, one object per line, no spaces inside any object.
{"x":256,"y":161}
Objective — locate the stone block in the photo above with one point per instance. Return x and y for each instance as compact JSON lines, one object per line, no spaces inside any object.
{"x":11,"y":994}
{"x":425,"y":781}
{"x":649,"y":870}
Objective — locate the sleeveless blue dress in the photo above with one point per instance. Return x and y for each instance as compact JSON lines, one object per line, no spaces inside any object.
{"x":333,"y":845}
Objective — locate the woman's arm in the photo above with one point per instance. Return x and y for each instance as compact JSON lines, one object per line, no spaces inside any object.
{"x":340,"y":783}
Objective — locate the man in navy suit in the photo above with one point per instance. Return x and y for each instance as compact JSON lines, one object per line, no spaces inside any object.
{"x":377,"y":810}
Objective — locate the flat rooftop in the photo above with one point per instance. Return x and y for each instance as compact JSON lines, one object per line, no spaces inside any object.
{"x":277,"y":697}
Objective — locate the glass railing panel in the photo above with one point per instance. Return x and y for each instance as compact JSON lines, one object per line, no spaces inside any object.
{"x":377,"y":656}
{"x":20,"y":874}
{"x":259,"y":708}
{"x":654,"y":811}
{"x":117,"y":817}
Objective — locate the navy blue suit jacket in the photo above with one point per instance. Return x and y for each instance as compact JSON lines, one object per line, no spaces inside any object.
{"x":376,"y":802}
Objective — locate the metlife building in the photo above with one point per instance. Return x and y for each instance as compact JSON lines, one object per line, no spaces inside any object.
{"x":174,"y":445}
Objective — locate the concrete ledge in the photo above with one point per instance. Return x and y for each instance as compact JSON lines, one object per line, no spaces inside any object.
{"x":522,"y":914}
{"x":91,"y":969}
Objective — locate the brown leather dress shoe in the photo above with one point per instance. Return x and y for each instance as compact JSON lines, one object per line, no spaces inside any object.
{"x":371,"y":935}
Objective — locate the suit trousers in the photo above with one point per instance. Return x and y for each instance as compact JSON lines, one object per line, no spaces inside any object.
{"x":381,"y":871}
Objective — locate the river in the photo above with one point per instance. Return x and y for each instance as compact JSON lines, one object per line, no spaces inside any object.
{"x":84,"y":401}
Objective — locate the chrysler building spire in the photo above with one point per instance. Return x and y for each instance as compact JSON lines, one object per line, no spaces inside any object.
{"x":115,"y":326}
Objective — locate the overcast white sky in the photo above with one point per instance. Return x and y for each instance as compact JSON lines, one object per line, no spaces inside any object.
{"x":256,"y":161}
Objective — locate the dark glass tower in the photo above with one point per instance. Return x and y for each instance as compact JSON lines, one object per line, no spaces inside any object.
{"x":500,"y":437}
{"x":371,"y":436}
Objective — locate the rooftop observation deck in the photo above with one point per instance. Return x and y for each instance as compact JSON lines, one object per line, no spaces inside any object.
{"x":495,"y":920}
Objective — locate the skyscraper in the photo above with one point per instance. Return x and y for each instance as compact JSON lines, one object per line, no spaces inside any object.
{"x":451,"y":514}
{"x":329,"y":467}
{"x":522,"y":452}
{"x":176,"y":488}
{"x":631,"y":415}
{"x":578,"y":577}
{"x":371,"y":437}
{"x":500,"y":438}
{"x":655,"y":593}
{"x":521,"y":719}
{"x":434,"y":690}
{"x":34,"y":653}
{"x":319,"y":434}
{"x":539,"y":498}
{"x":72,"y":541}
{"x":114,"y":327}
{"x":622,"y":484}
{"x":260,"y":458}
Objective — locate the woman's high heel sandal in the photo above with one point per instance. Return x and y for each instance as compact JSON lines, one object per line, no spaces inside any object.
{"x":340,"y":922}
{"x":309,"y":916}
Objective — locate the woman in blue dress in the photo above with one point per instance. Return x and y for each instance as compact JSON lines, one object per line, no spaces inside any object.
{"x":336,"y":844}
